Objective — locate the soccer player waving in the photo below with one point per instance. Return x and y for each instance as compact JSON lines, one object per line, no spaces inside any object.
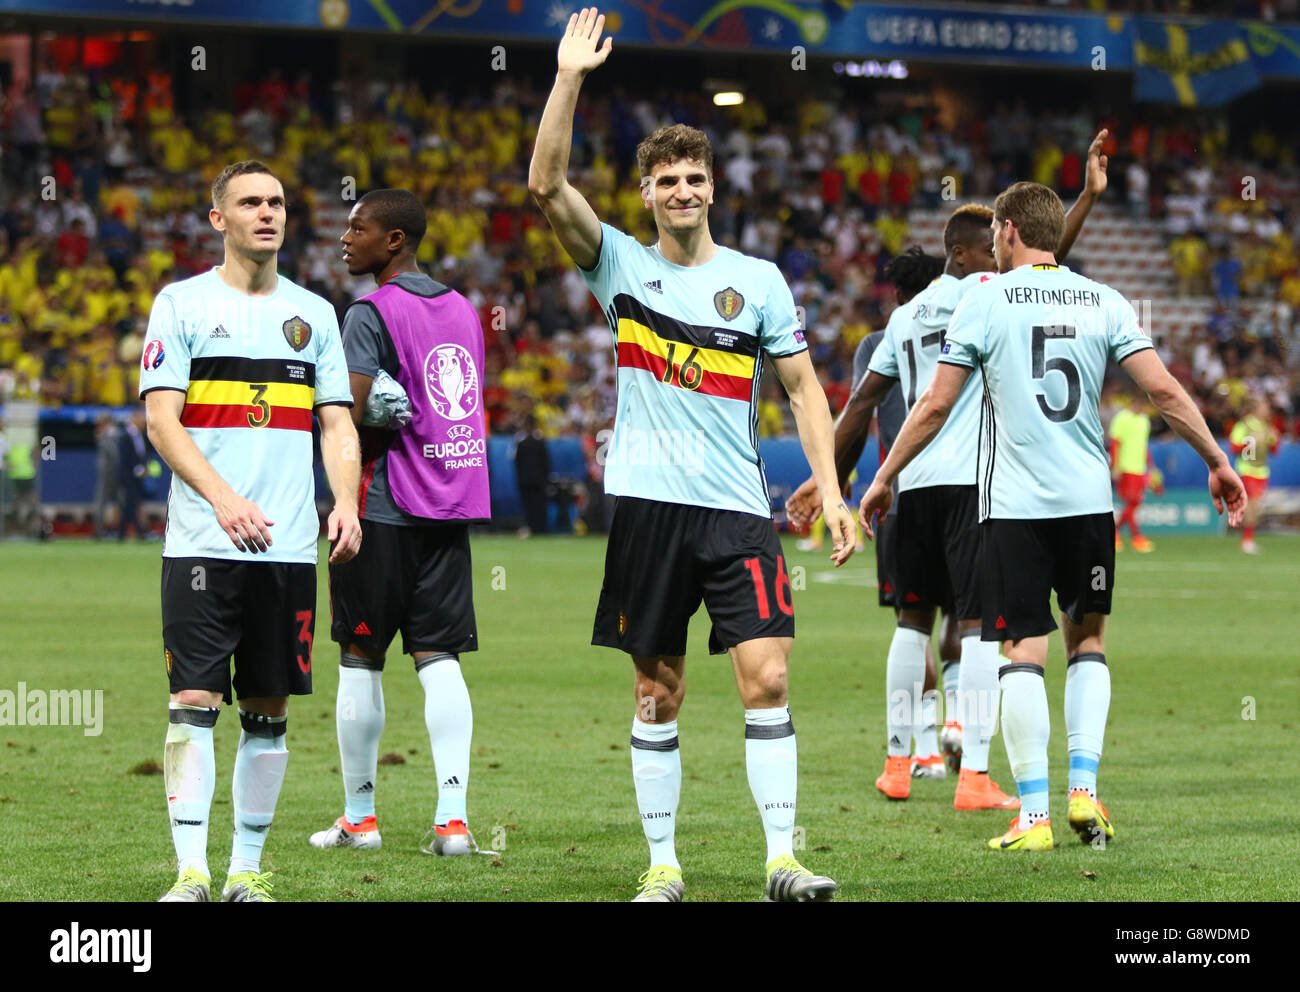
{"x":236,"y":361}
{"x":421,"y":487}
{"x":693,"y":323}
{"x":1042,"y":336}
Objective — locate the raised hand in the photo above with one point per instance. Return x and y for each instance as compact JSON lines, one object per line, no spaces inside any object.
{"x":580,"y":48}
{"x":1097,"y":162}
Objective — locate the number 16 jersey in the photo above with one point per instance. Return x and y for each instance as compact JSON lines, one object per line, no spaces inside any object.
{"x":690,"y":342}
{"x":1042,"y":336}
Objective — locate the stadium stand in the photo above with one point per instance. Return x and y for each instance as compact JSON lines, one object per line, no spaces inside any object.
{"x":828,"y":189}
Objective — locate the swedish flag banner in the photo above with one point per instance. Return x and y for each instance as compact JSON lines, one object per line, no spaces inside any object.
{"x":1203,"y":65}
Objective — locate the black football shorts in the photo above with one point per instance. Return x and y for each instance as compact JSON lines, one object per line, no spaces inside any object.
{"x":886,"y":558}
{"x":262,"y":613}
{"x":414,"y":579}
{"x":1022,"y":561}
{"x":664,"y":558}
{"x":938,"y":550}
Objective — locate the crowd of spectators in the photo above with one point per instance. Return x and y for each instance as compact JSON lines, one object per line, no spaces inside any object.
{"x":107,"y":185}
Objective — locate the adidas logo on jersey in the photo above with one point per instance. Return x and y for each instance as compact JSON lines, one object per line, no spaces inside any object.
{"x":361,"y":629}
{"x":219,"y":332}
{"x":656,"y":285}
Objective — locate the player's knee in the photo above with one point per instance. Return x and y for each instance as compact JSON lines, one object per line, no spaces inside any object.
{"x":919,"y":620}
{"x":657,"y":702}
{"x":767,"y":688}
{"x":198,"y":697}
{"x":350,"y":659}
{"x":366,"y":657}
{"x":265,"y":705}
{"x":423,"y":659}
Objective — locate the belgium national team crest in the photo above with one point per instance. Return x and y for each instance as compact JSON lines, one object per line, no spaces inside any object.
{"x":297,"y":332}
{"x":167,"y":656}
{"x":729,"y":303}
{"x":622,"y":624}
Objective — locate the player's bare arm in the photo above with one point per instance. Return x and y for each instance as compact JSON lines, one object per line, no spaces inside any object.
{"x":1180,"y":413}
{"x":812,"y":416}
{"x":359,"y":384}
{"x":341,"y":452}
{"x":243,"y":521}
{"x":923,"y":423}
{"x":1093,"y":186}
{"x":851,"y":429}
{"x":567,"y":211}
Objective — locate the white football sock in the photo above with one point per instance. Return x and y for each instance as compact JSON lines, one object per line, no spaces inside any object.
{"x":259,"y":773}
{"x":657,"y":776}
{"x":951,"y":682}
{"x":978,"y":697}
{"x":190,"y":775}
{"x":1087,"y":703}
{"x":1026,"y":728}
{"x":926,"y":735}
{"x":904,"y":682}
{"x":772,"y":765}
{"x":359,"y":721}
{"x":450,"y":721}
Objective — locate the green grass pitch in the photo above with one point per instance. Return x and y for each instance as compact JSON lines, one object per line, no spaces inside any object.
{"x":1201,"y":796}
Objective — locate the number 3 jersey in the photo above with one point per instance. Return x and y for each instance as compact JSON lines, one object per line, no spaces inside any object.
{"x":252,"y":369}
{"x":1042,"y":336}
{"x":909,"y":352}
{"x":690,"y":342}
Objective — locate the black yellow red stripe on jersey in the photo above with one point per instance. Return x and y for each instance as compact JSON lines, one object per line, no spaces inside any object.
{"x":230,"y":391}
{"x":717,"y":361}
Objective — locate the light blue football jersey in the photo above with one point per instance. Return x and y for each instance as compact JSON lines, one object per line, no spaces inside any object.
{"x":252,"y":368}
{"x":909,"y":353}
{"x":690,"y":343}
{"x":1042,"y":336}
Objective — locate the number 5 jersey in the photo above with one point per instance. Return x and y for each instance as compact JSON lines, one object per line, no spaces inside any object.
{"x":1042,"y":335}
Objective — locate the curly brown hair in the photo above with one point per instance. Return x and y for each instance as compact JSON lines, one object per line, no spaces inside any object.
{"x":668,"y":144}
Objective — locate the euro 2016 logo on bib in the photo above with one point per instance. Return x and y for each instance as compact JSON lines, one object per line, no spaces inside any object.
{"x":451,"y":381}
{"x":153,"y":355}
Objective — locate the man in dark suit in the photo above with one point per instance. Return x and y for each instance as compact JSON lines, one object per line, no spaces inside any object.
{"x":131,"y":471}
{"x":532,"y":471}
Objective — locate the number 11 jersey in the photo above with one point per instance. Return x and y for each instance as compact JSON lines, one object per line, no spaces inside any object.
{"x":1042,"y":336}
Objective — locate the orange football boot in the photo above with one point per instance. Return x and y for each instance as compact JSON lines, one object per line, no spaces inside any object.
{"x":896,"y":780}
{"x":975,"y":790}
